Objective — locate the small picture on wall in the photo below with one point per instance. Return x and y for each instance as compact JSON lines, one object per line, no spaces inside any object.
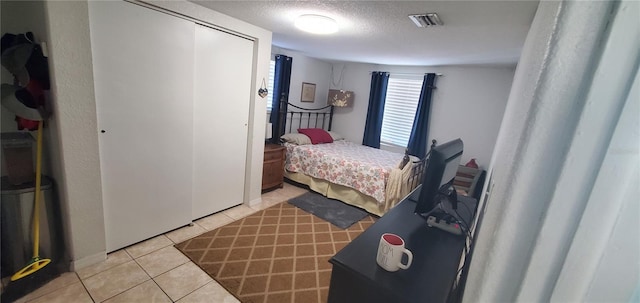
{"x":308,"y":92}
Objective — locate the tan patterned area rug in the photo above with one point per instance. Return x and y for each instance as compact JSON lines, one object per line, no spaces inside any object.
{"x":280,"y":254}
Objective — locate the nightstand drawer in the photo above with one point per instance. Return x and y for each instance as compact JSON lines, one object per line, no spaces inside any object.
{"x":270,"y":173}
{"x":273,"y":155}
{"x":273,"y":166}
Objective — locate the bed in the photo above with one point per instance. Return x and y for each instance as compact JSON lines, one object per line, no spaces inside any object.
{"x":369,"y":178}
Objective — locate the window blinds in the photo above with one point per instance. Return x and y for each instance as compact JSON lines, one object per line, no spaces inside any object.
{"x":400,"y":106}
{"x":272,"y":74}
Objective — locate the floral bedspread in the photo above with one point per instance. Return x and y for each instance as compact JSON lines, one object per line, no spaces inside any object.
{"x":362,"y":168}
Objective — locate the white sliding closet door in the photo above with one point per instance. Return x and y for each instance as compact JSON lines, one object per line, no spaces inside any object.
{"x":223,"y":67}
{"x":143,"y":73}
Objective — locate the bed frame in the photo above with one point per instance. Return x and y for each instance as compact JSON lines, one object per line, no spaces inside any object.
{"x":418,"y":166}
{"x":323,"y":118}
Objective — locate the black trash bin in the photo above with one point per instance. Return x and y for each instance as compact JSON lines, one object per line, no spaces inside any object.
{"x":16,"y":213}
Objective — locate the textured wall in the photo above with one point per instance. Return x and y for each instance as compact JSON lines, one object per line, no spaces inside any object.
{"x":310,"y":70}
{"x":553,"y":206}
{"x":468,"y":103}
{"x":75,"y":121}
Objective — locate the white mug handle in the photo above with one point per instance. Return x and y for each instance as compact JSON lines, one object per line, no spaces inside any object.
{"x":409,"y":257}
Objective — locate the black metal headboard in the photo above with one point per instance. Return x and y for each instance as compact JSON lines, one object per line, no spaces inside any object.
{"x":300,"y":117}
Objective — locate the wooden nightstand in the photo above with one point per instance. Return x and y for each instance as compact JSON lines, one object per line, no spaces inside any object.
{"x":273,"y":166}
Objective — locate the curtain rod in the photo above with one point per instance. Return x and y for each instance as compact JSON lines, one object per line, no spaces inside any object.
{"x":408,"y":74}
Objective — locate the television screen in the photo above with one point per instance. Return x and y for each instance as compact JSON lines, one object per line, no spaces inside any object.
{"x":438,"y":177}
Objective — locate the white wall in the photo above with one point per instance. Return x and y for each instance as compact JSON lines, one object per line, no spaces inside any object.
{"x":603,"y":263}
{"x":74,"y":121}
{"x":350,"y":121}
{"x":310,"y":70}
{"x":468,"y":103}
{"x":564,"y":176}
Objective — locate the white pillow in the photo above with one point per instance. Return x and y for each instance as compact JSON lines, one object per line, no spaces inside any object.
{"x":335,"y":136}
{"x":299,"y":139}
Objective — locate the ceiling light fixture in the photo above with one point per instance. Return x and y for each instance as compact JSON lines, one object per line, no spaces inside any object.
{"x":317,"y":24}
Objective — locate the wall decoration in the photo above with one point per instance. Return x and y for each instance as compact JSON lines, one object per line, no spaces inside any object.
{"x":263,"y":91}
{"x":340,"y":98}
{"x":308,"y":92}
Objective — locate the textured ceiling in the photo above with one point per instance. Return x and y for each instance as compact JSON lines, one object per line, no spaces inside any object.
{"x":379,"y":32}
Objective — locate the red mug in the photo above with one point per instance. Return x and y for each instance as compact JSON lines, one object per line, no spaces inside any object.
{"x":390,"y":253}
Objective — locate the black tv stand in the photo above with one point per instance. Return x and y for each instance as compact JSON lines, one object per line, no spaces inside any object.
{"x":436,"y":258}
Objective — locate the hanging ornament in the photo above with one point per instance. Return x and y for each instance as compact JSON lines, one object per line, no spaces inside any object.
{"x":263,"y":91}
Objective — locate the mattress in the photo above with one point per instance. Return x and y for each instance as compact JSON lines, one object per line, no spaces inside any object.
{"x":345,"y":163}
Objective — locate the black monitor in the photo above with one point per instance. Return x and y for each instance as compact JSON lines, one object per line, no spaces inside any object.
{"x":438,"y":177}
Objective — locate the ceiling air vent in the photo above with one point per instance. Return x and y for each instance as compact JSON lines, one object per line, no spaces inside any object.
{"x":426,"y":20}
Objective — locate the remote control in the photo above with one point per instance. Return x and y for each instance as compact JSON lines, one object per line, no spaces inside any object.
{"x":452,"y":227}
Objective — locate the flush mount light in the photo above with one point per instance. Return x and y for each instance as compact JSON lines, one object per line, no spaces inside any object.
{"x":317,"y":24}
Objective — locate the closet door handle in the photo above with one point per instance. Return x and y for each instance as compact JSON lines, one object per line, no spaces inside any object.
{"x":103,"y":131}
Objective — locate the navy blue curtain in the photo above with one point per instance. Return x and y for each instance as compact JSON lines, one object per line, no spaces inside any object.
{"x":377,"y":96}
{"x":417,"y":145}
{"x":281,"y":84}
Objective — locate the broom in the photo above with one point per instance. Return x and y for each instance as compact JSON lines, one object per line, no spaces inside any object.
{"x":36,"y":273}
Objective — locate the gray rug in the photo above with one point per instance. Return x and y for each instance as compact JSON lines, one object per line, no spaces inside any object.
{"x":335,"y":212}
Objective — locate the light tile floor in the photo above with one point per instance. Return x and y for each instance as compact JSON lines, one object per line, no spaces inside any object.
{"x":153,"y":270}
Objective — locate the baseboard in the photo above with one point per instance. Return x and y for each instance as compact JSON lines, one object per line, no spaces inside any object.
{"x":255,"y":201}
{"x":88,"y":261}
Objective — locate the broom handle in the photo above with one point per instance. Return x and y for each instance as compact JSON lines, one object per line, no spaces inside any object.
{"x":36,"y":208}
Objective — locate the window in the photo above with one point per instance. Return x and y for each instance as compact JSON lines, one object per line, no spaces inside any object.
{"x":400,"y":107}
{"x":272,"y":74}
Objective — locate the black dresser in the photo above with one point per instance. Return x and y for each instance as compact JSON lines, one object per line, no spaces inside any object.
{"x":356,"y":277}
